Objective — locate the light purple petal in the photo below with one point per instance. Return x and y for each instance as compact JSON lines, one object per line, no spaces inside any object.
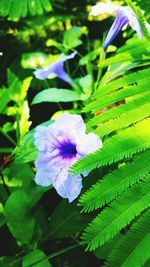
{"x":118,"y":24}
{"x":68,"y":185}
{"x":56,"y":68}
{"x":42,"y":74}
{"x":43,"y":140}
{"x":42,"y":177}
{"x":102,"y":8}
{"x":133,"y":21}
{"x":48,"y":167}
{"x":88,"y":143}
{"x":40,"y":140}
{"x":64,"y":57}
{"x":69,"y":125}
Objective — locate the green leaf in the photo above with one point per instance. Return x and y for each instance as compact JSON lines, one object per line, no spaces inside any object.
{"x":86,"y":84}
{"x":36,"y":259}
{"x":27,"y":150}
{"x":4,"y":99}
{"x":71,"y":36}
{"x":19,"y":218}
{"x":56,"y":95}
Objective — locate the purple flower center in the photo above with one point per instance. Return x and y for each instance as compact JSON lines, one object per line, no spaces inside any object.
{"x":67,"y":150}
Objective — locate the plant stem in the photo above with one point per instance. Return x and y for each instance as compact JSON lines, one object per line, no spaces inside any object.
{"x":5,"y":186}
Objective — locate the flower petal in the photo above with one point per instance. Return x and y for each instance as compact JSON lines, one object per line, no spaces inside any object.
{"x":48,"y":168}
{"x":64,"y":57}
{"x":120,"y":21}
{"x":56,"y":68}
{"x":102,"y":8}
{"x":42,"y":74}
{"x":133,"y":21}
{"x":43,"y":139}
{"x":42,"y":176}
{"x":69,"y":125}
{"x":40,"y":140}
{"x":88,"y":143}
{"x":68,"y":185}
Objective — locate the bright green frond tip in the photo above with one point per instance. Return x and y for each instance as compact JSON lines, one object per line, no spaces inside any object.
{"x":139,"y":13}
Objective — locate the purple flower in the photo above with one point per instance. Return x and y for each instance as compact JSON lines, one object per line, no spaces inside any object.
{"x":56,"y":68}
{"x":60,"y":145}
{"x":124,"y":15}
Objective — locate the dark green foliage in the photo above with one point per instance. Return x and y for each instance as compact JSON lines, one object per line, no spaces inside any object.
{"x":66,"y":220}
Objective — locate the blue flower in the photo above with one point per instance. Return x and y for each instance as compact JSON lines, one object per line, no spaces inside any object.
{"x":56,"y":68}
{"x":60,"y":145}
{"x":124,"y":15}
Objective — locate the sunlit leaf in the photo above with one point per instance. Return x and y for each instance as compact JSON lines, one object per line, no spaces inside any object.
{"x":56,"y":95}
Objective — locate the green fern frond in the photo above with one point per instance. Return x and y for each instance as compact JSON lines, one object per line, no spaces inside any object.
{"x":133,"y":249}
{"x":115,"y":183}
{"x":132,"y":51}
{"x":119,"y":214}
{"x":16,"y":9}
{"x":142,"y":86}
{"x":131,"y":78}
{"x":122,"y":145}
{"x":124,"y":120}
{"x":117,"y":111}
{"x":140,"y":16}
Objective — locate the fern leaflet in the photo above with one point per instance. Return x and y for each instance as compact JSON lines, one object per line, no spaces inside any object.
{"x":142,"y":86}
{"x":118,"y":110}
{"x":125,"y":120}
{"x":115,"y":183}
{"x":16,"y":9}
{"x":133,"y":249}
{"x":121,"y":82}
{"x":122,"y":145}
{"x":118,"y":215}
